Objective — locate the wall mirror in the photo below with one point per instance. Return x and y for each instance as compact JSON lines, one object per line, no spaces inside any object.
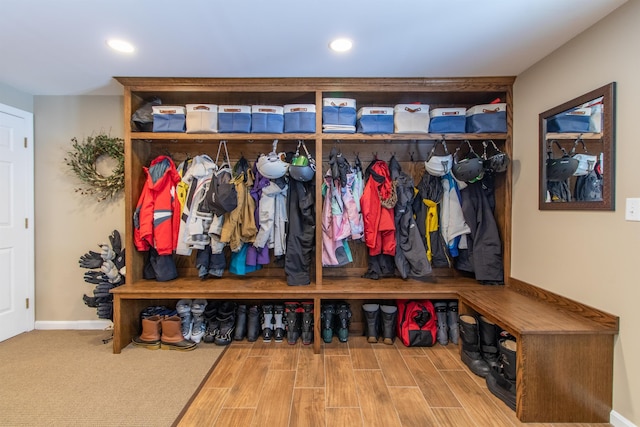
{"x":577,"y":153}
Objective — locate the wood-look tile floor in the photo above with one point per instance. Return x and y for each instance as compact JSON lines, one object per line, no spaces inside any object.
{"x":349,"y":384}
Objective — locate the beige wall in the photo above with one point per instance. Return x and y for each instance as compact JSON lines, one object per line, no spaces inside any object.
{"x":592,"y":257}
{"x":69,"y":224}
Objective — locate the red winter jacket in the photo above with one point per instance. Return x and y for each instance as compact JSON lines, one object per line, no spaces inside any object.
{"x":156,"y":220}
{"x":379,"y":224}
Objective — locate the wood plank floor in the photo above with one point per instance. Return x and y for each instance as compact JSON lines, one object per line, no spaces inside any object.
{"x":348,"y":384}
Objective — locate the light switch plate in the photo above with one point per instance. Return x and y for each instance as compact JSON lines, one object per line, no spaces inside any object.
{"x":632,"y":209}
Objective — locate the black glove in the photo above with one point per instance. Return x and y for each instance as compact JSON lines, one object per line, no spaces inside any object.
{"x":116,"y":242}
{"x":91,"y":260}
{"x":119,"y":260}
{"x":90,"y":301}
{"x":95,"y":277}
{"x":102,"y":290}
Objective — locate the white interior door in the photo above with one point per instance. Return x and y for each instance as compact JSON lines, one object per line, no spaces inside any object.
{"x":16,"y":222}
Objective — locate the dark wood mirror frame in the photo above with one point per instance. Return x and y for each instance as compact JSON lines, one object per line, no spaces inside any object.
{"x":603,"y":142}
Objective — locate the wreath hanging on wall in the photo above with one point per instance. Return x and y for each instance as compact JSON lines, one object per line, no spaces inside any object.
{"x":82,"y":161}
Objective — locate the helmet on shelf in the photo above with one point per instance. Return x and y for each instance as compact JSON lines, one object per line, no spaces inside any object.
{"x":302,"y":167}
{"x":469,"y":169}
{"x":561,"y":168}
{"x":273,"y":165}
{"x":438,"y":165}
{"x":497,"y":162}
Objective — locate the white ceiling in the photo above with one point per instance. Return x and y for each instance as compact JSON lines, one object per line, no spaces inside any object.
{"x":58,"y":47}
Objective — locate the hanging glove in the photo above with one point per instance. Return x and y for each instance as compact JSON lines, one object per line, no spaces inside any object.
{"x":106,"y":252}
{"x":110,"y":271}
{"x":116,"y":242}
{"x":95,"y":277}
{"x":119,"y":261}
{"x":90,"y":301}
{"x":91,"y":260}
{"x":102,"y":290}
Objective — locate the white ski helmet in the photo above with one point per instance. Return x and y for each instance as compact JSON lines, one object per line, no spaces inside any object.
{"x":438,"y":165}
{"x":273,"y":165}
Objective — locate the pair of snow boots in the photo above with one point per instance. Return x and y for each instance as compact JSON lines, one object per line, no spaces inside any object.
{"x":380,"y":322}
{"x":490,"y":353}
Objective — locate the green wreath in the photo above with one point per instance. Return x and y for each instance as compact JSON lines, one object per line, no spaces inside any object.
{"x":82,"y":160}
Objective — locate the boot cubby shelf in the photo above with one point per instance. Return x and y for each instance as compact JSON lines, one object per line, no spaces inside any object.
{"x":565,"y":349}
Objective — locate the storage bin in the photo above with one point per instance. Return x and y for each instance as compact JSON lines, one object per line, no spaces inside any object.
{"x":267,"y":119}
{"x":202,"y":118}
{"x":487,"y":118}
{"x":300,"y":118}
{"x":375,"y":120}
{"x":448,"y":120}
{"x":576,"y":120}
{"x":234,"y":118}
{"x":168,"y":118}
{"x":411,"y":118}
{"x":338,"y":115}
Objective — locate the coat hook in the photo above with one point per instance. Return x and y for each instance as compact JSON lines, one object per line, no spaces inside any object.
{"x":411,"y":156}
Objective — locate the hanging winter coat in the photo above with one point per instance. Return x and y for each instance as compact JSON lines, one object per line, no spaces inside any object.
{"x":452,"y":221}
{"x":273,"y":217}
{"x":301,"y":232}
{"x":411,"y":256}
{"x":335,"y":252}
{"x":156,"y":220}
{"x":484,"y":244}
{"x":354,"y":215}
{"x":195,"y":222}
{"x":254,"y":256}
{"x":426,"y":206}
{"x":240,"y":226}
{"x":378,"y":200}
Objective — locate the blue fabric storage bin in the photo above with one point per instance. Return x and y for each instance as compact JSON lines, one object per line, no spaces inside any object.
{"x":338,"y":115}
{"x":375,"y":120}
{"x":234,"y":118}
{"x":299,"y":118}
{"x":487,"y":118}
{"x":448,"y":120}
{"x":168,"y":118}
{"x":267,"y":119}
{"x":576,"y":120}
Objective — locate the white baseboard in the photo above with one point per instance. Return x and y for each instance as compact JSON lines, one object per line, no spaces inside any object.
{"x":618,"y":420}
{"x":73,"y":324}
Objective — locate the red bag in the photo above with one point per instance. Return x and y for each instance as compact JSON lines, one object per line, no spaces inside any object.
{"x":417,"y":323}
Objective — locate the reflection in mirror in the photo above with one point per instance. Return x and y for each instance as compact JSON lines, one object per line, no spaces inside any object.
{"x":577,"y":153}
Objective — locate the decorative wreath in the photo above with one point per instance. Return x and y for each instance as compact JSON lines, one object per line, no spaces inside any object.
{"x":82,"y":160}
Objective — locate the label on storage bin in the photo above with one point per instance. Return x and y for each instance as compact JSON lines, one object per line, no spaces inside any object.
{"x":235,"y":109}
{"x":267,"y":109}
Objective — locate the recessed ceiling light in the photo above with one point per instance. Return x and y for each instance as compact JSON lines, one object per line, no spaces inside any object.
{"x":120,"y":45}
{"x":341,"y":45}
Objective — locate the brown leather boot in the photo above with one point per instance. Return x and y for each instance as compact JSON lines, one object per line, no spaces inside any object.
{"x":172,"y":338}
{"x":150,"y":336}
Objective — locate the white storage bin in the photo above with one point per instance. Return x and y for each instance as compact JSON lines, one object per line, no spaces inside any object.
{"x":267,"y":119}
{"x":202,"y":118}
{"x":234,"y":118}
{"x":168,"y":118}
{"x":375,"y":120}
{"x":487,"y":118}
{"x":448,"y":120}
{"x":411,"y":118}
{"x":300,"y":118}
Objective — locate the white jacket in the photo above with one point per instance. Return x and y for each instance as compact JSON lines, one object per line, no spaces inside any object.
{"x":273,"y":219}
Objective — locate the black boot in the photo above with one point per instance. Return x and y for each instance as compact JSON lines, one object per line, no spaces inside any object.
{"x":489,"y":341}
{"x":241,"y":323}
{"x":389,"y":316}
{"x":267,"y":322}
{"x":470,"y":354}
{"x":278,"y":324}
{"x":442,"y":335}
{"x":501,"y":381}
{"x":293,"y":315}
{"x":372,"y":321}
{"x":227,"y":319}
{"x":343,"y":314}
{"x":211,"y":317}
{"x":307,"y":322}
{"x":253,"y":323}
{"x":452,"y":321}
{"x":328,"y":319}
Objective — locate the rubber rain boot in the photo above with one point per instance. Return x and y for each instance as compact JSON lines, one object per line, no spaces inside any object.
{"x":241,"y":323}
{"x":253,"y":323}
{"x":470,"y":354}
{"x":343,"y":314}
{"x":389,"y":314}
{"x":150,"y":336}
{"x":328,"y":319}
{"x":501,"y":381}
{"x":211,"y":317}
{"x":307,"y":322}
{"x":452,"y":321}
{"x":172,"y":338}
{"x":267,"y":322}
{"x":489,"y":341}
{"x":442,"y":334}
{"x":372,"y":320}
{"x":293,"y":319}
{"x":227,"y":319}
{"x":278,"y":313}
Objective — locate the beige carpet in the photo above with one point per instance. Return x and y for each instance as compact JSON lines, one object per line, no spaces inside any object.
{"x":70,"y":378}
